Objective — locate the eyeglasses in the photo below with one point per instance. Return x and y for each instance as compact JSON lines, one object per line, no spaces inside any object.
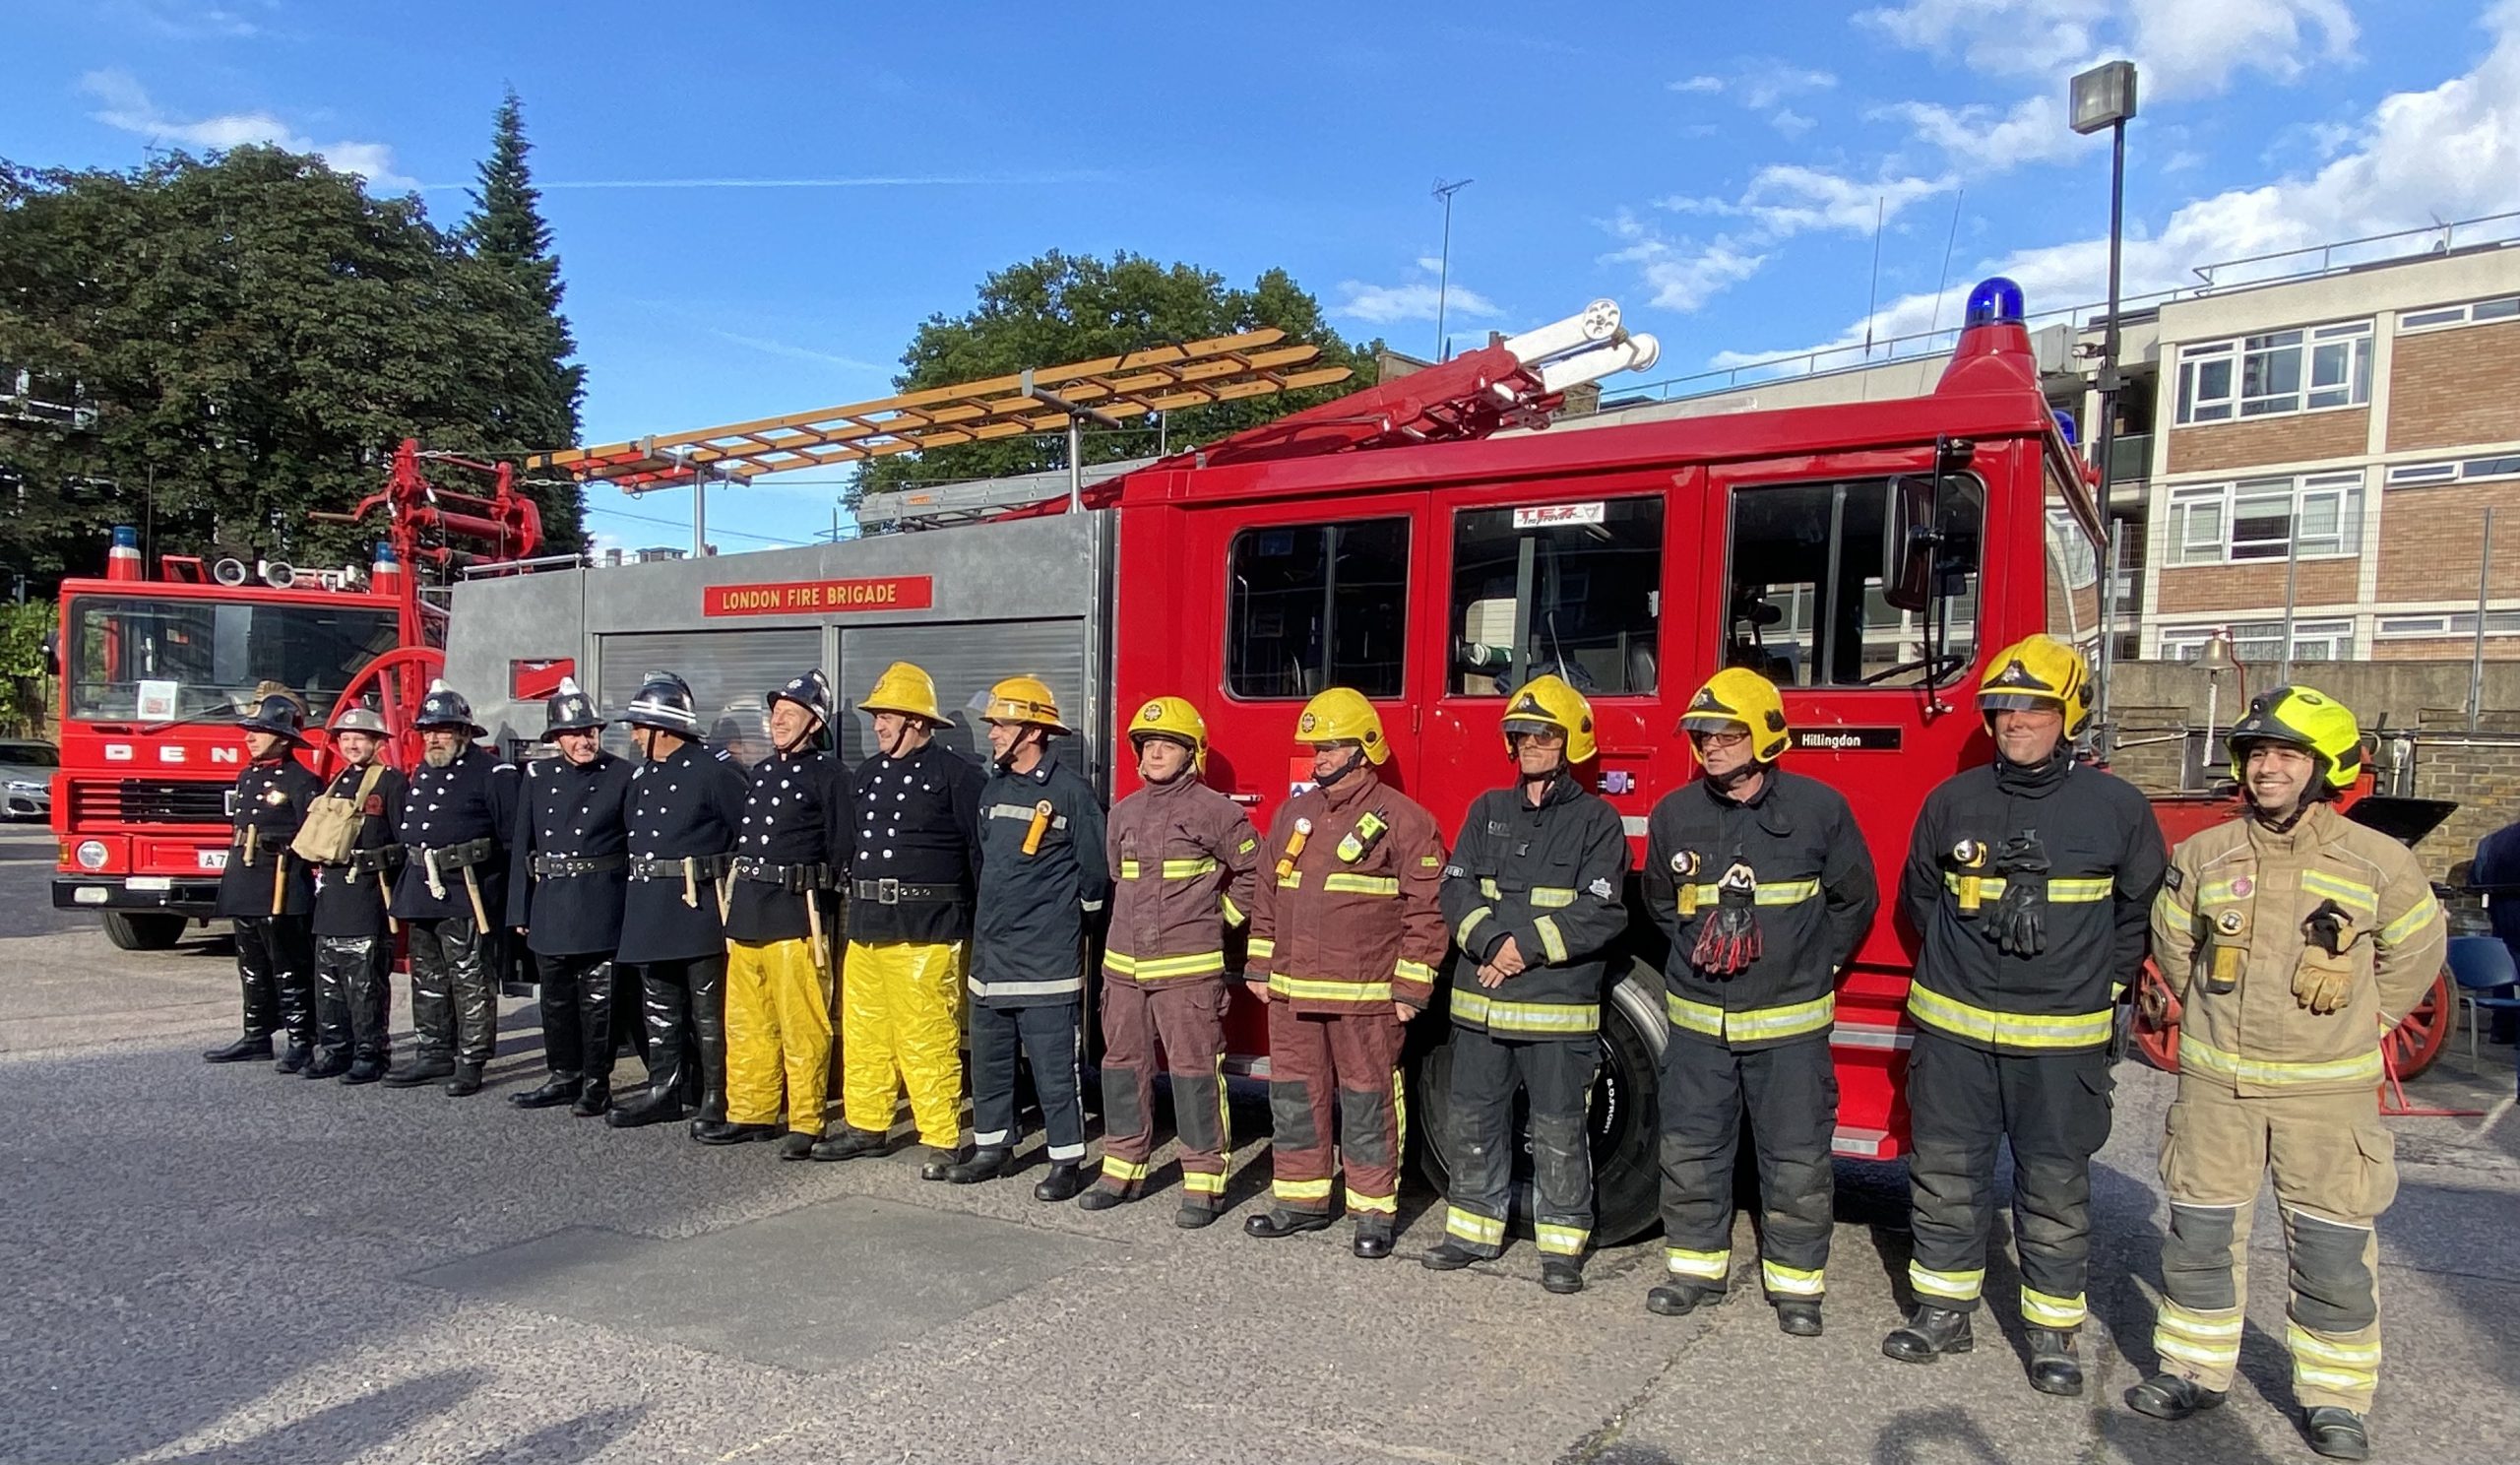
{"x":1731,"y":740}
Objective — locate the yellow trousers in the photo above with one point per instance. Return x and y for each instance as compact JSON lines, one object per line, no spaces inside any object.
{"x":777,"y":1017}
{"x":900,"y":1027}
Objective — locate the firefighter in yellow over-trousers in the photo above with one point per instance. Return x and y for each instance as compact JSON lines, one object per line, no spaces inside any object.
{"x":2293,"y":939}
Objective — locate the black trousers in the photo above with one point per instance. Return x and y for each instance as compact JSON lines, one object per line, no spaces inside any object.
{"x":1790,"y":1095}
{"x":1048,"y":1037}
{"x":455,"y":989}
{"x":682,"y":1011}
{"x":353,"y":991}
{"x":276,"y":967}
{"x":576,"y":998}
{"x":1557,"y":1074}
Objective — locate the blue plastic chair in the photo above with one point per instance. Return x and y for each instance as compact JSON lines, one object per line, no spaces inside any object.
{"x":2488,"y":980}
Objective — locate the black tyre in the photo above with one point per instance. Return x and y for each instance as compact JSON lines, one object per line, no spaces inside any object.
{"x":1627,"y":1178}
{"x":143,"y":931}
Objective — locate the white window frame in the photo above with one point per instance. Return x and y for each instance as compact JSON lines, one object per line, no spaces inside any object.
{"x":2445,"y":625}
{"x":2260,"y":642}
{"x":2330,"y":370}
{"x":2484,"y":468}
{"x":2451,"y":317}
{"x":2204,"y":520}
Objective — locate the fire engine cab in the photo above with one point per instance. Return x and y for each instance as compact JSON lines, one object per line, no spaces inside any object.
{"x":1419,"y":543}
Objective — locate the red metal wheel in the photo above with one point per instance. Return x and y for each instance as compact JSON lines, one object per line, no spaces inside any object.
{"x":2155,"y":1040}
{"x":2421,"y":1035}
{"x":397,"y":681}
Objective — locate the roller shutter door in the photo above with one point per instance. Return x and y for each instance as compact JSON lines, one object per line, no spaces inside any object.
{"x":966,"y":659}
{"x":730,"y":672}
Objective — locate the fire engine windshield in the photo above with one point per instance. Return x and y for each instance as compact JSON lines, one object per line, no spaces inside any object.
{"x":135,"y":658}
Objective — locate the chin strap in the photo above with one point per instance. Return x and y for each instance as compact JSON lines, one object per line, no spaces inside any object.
{"x":1355,"y":760}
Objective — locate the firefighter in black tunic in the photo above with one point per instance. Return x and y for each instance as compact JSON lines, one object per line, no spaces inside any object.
{"x":1762,"y":884}
{"x":566,"y":873}
{"x":267,"y":893}
{"x":685,"y":804}
{"x":452,"y":894}
{"x":353,"y":936}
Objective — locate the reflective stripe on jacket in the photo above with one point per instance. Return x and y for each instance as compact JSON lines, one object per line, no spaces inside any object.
{"x":1184,"y":861}
{"x":1551,"y":878}
{"x":1353,"y":923}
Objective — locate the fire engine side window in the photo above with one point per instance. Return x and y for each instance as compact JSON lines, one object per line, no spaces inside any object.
{"x":1575,"y":588}
{"x":1805,"y":605}
{"x":1310,"y":607}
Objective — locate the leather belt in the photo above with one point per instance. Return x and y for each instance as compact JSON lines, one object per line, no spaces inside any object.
{"x":374,"y":861}
{"x":791,"y":877}
{"x":548,"y":866}
{"x":673,"y":867}
{"x":454,"y":856}
{"x":893,"y":892}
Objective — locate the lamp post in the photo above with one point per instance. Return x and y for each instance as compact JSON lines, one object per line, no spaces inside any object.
{"x":1444,"y":264}
{"x":2105,"y":97}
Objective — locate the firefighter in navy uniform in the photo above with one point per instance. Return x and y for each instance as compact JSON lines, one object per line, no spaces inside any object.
{"x":791,"y":835}
{"x":1042,"y":874}
{"x":2029,"y":882}
{"x":914,"y":854}
{"x":567,"y":870}
{"x":1763,"y":885}
{"x":1534,"y":895}
{"x":2295,"y":939}
{"x":268,"y":893}
{"x":453,"y":894}
{"x":353,"y":936}
{"x":684,"y":806}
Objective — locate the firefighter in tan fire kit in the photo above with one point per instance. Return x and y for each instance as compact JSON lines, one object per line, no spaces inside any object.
{"x":2293,"y":939}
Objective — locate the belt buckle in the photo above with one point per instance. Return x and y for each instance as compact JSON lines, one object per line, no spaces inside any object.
{"x":888,"y":891}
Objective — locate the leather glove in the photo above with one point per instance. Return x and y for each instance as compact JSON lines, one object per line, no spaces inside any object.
{"x":2321,"y":985}
{"x":2018,"y":920}
{"x":1727,"y":937}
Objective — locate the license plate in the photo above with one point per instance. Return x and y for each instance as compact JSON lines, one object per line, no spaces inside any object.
{"x":149,"y":883}
{"x":213,"y":860}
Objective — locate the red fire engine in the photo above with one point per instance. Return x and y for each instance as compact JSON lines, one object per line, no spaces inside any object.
{"x":153,"y":673}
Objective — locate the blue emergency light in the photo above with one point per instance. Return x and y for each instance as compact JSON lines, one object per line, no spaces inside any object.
{"x":1996,"y":301}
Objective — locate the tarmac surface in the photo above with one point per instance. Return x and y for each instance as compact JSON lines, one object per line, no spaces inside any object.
{"x":221,"y":1264}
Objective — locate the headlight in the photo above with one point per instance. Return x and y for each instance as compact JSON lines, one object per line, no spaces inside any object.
{"x":27,"y":786}
{"x":92,"y":854}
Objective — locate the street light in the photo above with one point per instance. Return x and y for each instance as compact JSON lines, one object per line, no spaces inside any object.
{"x":1444,"y":267}
{"x":2105,"y":97}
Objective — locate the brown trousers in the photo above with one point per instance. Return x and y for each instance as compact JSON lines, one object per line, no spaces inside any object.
{"x":1351,"y":1060}
{"x":1186,"y":1018}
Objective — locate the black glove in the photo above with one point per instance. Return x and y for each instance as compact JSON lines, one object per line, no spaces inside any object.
{"x":2018,"y":920}
{"x":2330,"y":927}
{"x":1727,"y":939}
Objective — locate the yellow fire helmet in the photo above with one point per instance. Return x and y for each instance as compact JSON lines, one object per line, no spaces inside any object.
{"x":1343,"y":715}
{"x":1547,"y":702}
{"x":2307,"y":719}
{"x":2038,"y":671}
{"x":1024,"y":699}
{"x":1172,"y":718}
{"x":907,"y":690}
{"x":1738,"y":697}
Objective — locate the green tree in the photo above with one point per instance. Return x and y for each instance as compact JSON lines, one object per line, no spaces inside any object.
{"x":539,"y":392}
{"x":1061,"y":307}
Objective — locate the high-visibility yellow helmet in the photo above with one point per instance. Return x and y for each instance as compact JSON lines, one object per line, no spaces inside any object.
{"x":909,"y":690}
{"x":1172,"y":718}
{"x":1738,"y":697}
{"x":1343,"y":715}
{"x":2307,"y":719}
{"x":1547,"y":702}
{"x":1024,"y":699}
{"x":2038,"y":671}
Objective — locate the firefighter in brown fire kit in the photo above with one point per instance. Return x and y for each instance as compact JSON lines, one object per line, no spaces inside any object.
{"x":1186,"y":859}
{"x":2030,"y":880}
{"x":1345,"y":937}
{"x":454,"y":829}
{"x":2294,"y":940}
{"x":567,"y":875}
{"x":355,"y":820}
{"x":266,"y":890}
{"x":1533,"y":897}
{"x":1764,"y":887}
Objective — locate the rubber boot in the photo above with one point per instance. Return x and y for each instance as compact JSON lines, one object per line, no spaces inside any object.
{"x":466,"y":1083}
{"x":1676,"y":1299}
{"x":660,"y":1009}
{"x":1447,"y":1257}
{"x":2167,"y":1396}
{"x":1373,"y":1242}
{"x":1065,"y":1180}
{"x":1799,"y":1317}
{"x":987,"y":1163}
{"x":419,"y":1071}
{"x":1563,"y":1275}
{"x":246,"y":1050}
{"x":2054,"y":1367}
{"x":558,"y":1089}
{"x":1929,"y":1334}
{"x":2338,"y":1432}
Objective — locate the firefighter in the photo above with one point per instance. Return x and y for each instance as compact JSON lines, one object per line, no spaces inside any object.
{"x":2293,"y":939}
{"x":1345,"y":937}
{"x":914,"y":827}
{"x":777,"y":964}
{"x":685,"y":805}
{"x":567,"y":875}
{"x":454,"y":829}
{"x":1534,"y":896}
{"x":266,"y":892}
{"x":353,"y":936}
{"x":2029,"y":882}
{"x":1187,"y":860}
{"x":1761,"y":882}
{"x":1042,"y":874}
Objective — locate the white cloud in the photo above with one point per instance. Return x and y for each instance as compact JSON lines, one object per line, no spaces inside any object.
{"x":1981,"y":141}
{"x":1783,"y":200}
{"x":1790,"y":122}
{"x":769,"y":345}
{"x":124,"y":104}
{"x":2183,"y":47}
{"x":1414,"y":299}
{"x":1759,"y":82}
{"x":1683,"y":274}
{"x":1698,"y":83}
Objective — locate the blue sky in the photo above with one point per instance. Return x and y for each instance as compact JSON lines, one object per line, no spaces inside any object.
{"x":755,"y":204}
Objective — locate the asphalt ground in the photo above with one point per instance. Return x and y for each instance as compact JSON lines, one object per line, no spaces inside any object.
{"x":221,"y":1264}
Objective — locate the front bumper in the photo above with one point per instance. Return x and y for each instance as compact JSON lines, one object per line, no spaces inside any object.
{"x":176,"y":895}
{"x":28,"y":806}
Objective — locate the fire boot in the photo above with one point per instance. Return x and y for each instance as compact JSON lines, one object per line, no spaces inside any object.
{"x":2338,"y":1432}
{"x":1271,"y":1225}
{"x":668,"y":1069}
{"x":419,"y":1071}
{"x":1373,"y":1238}
{"x":796,"y":1144}
{"x":294,"y":1058}
{"x":1563,"y":1275}
{"x":722,"y":1132}
{"x":1799,"y":1317}
{"x":2054,"y":1367}
{"x":1065,"y":1180}
{"x":1930,"y":1333}
{"x":1446,"y":1256}
{"x":1102,"y":1198}
{"x":594,"y":1099}
{"x":245,"y":1050}
{"x":363,"y":1071}
{"x":850,"y":1144}
{"x":466,"y":1083}
{"x":987,"y":1163}
{"x":2167,"y":1396}
{"x":1672,"y":1300}
{"x":1196,"y":1215}
{"x":558,"y":1089}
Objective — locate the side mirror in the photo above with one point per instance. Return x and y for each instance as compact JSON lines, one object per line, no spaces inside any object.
{"x":1908,"y":545}
{"x":52,"y":652}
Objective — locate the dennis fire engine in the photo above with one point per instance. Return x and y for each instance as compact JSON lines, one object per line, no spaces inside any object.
{"x":1400,"y":542}
{"x":153,"y":673}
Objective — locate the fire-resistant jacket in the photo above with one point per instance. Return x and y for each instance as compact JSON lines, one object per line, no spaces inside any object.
{"x":568,"y":859}
{"x":2247,"y":889}
{"x":350,"y":899}
{"x":1553,"y":877}
{"x":914,"y":822}
{"x":469,"y":804}
{"x":2105,"y":859}
{"x":1353,"y":924}
{"x":1028,"y":927}
{"x":787,"y":841}
{"x":684,"y":809}
{"x":1816,"y":898}
{"x":270,"y":797}
{"x":1185,"y":861}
